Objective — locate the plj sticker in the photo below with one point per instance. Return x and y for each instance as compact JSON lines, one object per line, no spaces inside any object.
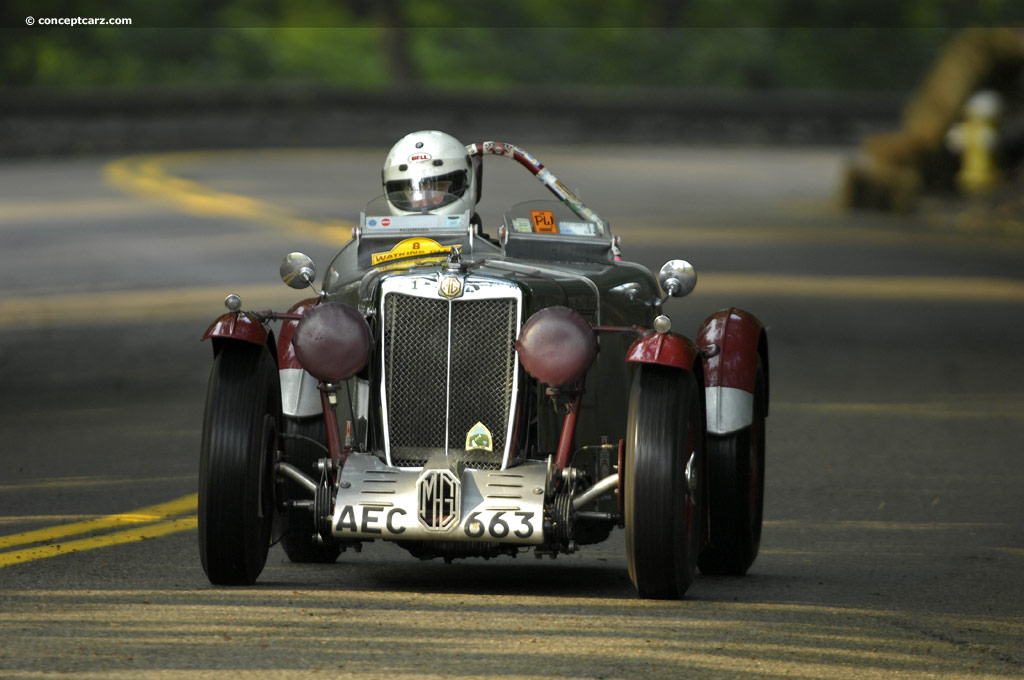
{"x":544,"y":222}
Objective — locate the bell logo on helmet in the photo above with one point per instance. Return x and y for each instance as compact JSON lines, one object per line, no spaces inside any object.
{"x":419,"y":157}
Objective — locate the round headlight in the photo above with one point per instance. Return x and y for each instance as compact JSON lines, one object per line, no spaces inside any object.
{"x":557,"y":346}
{"x":332,"y":342}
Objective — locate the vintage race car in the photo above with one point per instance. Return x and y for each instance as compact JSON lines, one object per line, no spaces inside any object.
{"x":463,"y":396}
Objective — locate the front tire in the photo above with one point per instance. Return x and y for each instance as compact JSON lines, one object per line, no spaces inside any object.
{"x":239,"y":444}
{"x":736,"y":484}
{"x":664,"y":481}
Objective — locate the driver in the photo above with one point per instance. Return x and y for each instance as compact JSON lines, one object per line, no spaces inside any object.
{"x":427,"y":172}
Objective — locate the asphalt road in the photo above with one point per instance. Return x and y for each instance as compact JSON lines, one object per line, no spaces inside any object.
{"x":894,"y":520}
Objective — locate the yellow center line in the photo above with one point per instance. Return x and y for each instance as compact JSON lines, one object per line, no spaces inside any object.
{"x":102,"y":541}
{"x":152,"y":513}
{"x":1018,"y":552}
{"x":26,"y":519}
{"x":146,"y":176}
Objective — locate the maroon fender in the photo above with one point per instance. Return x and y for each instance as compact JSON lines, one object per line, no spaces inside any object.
{"x":237,"y":326}
{"x":732,"y":340}
{"x":664,"y":349}
{"x":285,"y":350}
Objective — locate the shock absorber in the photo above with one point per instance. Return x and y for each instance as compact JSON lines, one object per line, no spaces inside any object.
{"x":323,"y":502}
{"x":558,"y":524}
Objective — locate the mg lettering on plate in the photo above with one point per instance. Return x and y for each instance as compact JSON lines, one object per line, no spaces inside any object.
{"x":439,"y":494}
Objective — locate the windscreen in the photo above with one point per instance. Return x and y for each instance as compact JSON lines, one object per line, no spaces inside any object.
{"x":550,"y":217}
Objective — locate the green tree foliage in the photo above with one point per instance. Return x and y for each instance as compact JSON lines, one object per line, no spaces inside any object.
{"x":493,"y":44}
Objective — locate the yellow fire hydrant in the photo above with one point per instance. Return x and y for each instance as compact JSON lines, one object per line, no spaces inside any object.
{"x":976,"y":139}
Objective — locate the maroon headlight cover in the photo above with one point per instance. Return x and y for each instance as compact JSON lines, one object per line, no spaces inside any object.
{"x":557,"y":346}
{"x":332,"y":342}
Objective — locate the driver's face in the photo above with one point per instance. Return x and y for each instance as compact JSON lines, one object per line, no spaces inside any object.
{"x":423,"y":198}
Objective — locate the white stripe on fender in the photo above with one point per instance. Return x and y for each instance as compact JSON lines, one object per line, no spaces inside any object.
{"x":299,"y":394}
{"x":729,"y":409}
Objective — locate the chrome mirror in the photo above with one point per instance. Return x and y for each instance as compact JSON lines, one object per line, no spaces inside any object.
{"x":677,"y":278}
{"x":298,"y":270}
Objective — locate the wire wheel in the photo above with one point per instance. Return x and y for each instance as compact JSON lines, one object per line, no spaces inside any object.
{"x":239,"y":443}
{"x":664,"y":481}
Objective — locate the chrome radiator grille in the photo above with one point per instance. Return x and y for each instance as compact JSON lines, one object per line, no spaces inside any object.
{"x":447,"y":365}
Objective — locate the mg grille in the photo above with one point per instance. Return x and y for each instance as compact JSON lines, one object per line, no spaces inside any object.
{"x":447,"y":366}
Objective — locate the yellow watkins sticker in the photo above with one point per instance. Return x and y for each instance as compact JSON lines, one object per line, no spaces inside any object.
{"x":479,"y":438}
{"x":411,"y":247}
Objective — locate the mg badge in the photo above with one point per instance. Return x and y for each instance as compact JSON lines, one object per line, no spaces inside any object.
{"x":450,"y":287}
{"x":479,"y":438}
{"x":439,"y":494}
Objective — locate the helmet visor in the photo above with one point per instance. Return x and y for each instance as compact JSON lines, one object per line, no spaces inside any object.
{"x":423,"y":194}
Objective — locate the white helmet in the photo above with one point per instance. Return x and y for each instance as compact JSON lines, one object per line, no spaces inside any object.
{"x":425,"y":172}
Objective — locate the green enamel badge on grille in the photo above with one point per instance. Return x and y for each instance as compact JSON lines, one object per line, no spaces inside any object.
{"x":479,"y":438}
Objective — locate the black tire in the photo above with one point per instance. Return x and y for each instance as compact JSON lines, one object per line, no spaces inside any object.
{"x":736,"y":493}
{"x":298,"y":542}
{"x":236,"y":489}
{"x":664,"y":511}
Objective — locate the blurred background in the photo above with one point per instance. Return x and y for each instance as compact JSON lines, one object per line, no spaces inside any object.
{"x":270,"y":73}
{"x":376,"y":45}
